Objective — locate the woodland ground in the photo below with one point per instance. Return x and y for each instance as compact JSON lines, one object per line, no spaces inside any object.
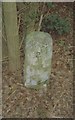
{"x":19,"y":101}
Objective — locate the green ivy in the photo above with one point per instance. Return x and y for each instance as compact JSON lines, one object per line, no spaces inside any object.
{"x":56,"y":23}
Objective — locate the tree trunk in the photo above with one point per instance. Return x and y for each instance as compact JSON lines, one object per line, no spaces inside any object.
{"x":10,"y":20}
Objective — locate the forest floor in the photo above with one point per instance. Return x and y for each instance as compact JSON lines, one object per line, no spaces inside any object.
{"x":20,"y":102}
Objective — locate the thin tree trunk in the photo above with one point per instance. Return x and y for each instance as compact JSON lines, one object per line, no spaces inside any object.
{"x":10,"y":20}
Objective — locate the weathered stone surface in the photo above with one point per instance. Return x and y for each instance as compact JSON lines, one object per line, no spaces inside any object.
{"x":38,"y":55}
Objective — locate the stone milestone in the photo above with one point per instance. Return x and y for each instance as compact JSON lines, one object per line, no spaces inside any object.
{"x":38,"y":57}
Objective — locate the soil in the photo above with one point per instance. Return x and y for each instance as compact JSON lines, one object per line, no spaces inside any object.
{"x":57,"y":101}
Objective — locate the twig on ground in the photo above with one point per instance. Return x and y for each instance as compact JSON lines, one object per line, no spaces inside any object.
{"x":41,"y":18}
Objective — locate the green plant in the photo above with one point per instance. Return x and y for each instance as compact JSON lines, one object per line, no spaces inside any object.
{"x":50,"y":4}
{"x":31,"y":13}
{"x":56,"y":23}
{"x":61,"y":43}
